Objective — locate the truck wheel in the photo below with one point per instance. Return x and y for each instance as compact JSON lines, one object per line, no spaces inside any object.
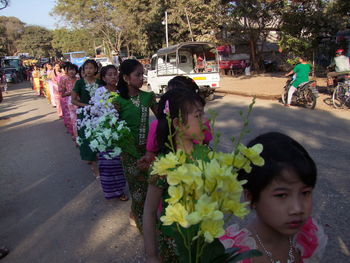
{"x":210,"y":97}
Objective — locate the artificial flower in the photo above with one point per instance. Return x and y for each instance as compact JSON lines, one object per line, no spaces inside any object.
{"x":212,"y":229}
{"x":175,"y":214}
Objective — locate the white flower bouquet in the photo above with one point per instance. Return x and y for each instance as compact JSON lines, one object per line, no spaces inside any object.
{"x":103,"y":129}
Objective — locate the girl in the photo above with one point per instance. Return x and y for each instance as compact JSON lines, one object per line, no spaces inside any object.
{"x":176,"y":82}
{"x":67,"y":107}
{"x":133,"y":106}
{"x":281,"y":194}
{"x":36,"y":80}
{"x":191,"y":107}
{"x":50,"y":84}
{"x":111,"y":170}
{"x":63,"y":99}
{"x":55,"y":77}
{"x":83,"y":90}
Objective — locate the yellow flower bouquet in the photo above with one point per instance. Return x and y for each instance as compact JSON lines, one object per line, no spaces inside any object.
{"x":202,"y":188}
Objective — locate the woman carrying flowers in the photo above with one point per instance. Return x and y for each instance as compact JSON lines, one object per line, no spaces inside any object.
{"x":82,"y":92}
{"x":133,"y":106}
{"x":110,"y":168}
{"x":188,"y":126}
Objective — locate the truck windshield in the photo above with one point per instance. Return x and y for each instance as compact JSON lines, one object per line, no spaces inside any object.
{"x":78,"y":55}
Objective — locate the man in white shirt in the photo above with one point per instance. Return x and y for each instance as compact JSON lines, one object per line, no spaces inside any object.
{"x":342,"y":65}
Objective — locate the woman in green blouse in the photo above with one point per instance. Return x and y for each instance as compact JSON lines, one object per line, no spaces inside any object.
{"x":83,"y":90}
{"x":133,"y":105}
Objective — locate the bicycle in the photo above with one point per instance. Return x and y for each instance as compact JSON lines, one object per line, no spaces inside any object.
{"x":341,"y":95}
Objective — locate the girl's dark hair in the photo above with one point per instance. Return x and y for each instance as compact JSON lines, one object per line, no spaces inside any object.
{"x":65,"y":65}
{"x":72,"y":66}
{"x":180,"y":100}
{"x":57,"y":63}
{"x":280,"y":153}
{"x":90,"y":61}
{"x":183,"y":82}
{"x":126,"y":68}
{"x":104,"y":71}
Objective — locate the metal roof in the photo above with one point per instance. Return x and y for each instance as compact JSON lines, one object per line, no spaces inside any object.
{"x":174,"y":48}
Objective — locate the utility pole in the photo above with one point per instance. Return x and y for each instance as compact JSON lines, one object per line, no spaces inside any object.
{"x":189,"y":25}
{"x":166,"y":28}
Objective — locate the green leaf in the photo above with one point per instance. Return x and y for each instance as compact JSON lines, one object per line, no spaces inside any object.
{"x":212,"y":252}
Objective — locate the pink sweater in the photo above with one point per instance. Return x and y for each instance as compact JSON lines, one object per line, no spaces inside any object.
{"x":151,"y":138}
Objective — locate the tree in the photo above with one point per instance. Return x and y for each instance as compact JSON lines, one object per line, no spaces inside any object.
{"x":196,"y":20}
{"x":252,"y":21}
{"x":65,"y":40}
{"x":36,"y":41}
{"x":97,"y":17}
{"x":13,"y":29}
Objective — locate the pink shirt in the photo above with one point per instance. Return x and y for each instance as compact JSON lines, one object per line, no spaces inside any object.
{"x":151,"y":138}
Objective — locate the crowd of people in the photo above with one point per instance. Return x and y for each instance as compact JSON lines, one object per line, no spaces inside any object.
{"x":280,"y":192}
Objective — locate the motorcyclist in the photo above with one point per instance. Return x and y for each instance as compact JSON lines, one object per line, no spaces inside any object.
{"x":301,"y":72}
{"x":342,"y":66}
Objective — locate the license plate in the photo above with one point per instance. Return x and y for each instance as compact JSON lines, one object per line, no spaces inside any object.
{"x":199,"y":78}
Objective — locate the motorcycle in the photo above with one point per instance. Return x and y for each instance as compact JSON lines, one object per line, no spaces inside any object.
{"x":306,"y":94}
{"x":341,"y":93}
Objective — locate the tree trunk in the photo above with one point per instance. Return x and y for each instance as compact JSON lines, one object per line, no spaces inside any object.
{"x":253,"y":53}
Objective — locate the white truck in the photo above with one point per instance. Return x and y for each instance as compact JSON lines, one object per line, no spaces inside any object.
{"x":197,"y":60}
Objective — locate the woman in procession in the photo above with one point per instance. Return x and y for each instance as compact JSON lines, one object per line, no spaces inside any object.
{"x":110,"y":169}
{"x":69,"y":110}
{"x":55,"y":78}
{"x":81,"y":94}
{"x":133,"y":105}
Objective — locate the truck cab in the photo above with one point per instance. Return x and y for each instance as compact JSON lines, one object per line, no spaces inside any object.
{"x":197,"y":60}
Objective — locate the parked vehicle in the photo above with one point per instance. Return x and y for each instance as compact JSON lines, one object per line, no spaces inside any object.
{"x":11,"y":75}
{"x":103,"y":60}
{"x":197,"y":60}
{"x":77,"y":58}
{"x":341,"y":93}
{"x":14,"y":62}
{"x":234,"y":63}
{"x":306,"y":94}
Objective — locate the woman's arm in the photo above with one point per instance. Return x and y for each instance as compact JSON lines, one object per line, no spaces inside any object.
{"x":290,"y":73}
{"x":75,"y":100}
{"x":153,"y":198}
{"x":62,"y":87}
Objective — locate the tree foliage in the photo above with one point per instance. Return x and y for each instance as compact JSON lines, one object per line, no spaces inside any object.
{"x":36,"y":41}
{"x":12,"y":29}
{"x":65,"y":40}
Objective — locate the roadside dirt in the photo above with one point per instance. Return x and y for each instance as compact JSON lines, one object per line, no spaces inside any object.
{"x":269,"y":86}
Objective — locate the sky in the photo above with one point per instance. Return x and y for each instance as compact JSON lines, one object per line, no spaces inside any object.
{"x":32,"y":12}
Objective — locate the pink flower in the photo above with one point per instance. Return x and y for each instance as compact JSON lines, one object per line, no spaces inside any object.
{"x":307,"y":238}
{"x":166,"y":108}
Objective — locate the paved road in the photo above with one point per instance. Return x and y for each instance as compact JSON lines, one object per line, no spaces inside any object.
{"x":52,"y":209}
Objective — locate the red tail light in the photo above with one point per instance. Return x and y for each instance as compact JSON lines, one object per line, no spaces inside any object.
{"x":213,"y":85}
{"x":313,"y":84}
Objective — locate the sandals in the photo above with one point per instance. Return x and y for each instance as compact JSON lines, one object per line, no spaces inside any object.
{"x":123,"y":197}
{"x":3,"y":252}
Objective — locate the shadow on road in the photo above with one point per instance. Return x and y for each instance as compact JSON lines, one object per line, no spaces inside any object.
{"x":325,"y":136}
{"x":52,"y":209}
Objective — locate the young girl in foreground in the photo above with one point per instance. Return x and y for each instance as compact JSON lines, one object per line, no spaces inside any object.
{"x":280,"y":192}
{"x":191,"y":107}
